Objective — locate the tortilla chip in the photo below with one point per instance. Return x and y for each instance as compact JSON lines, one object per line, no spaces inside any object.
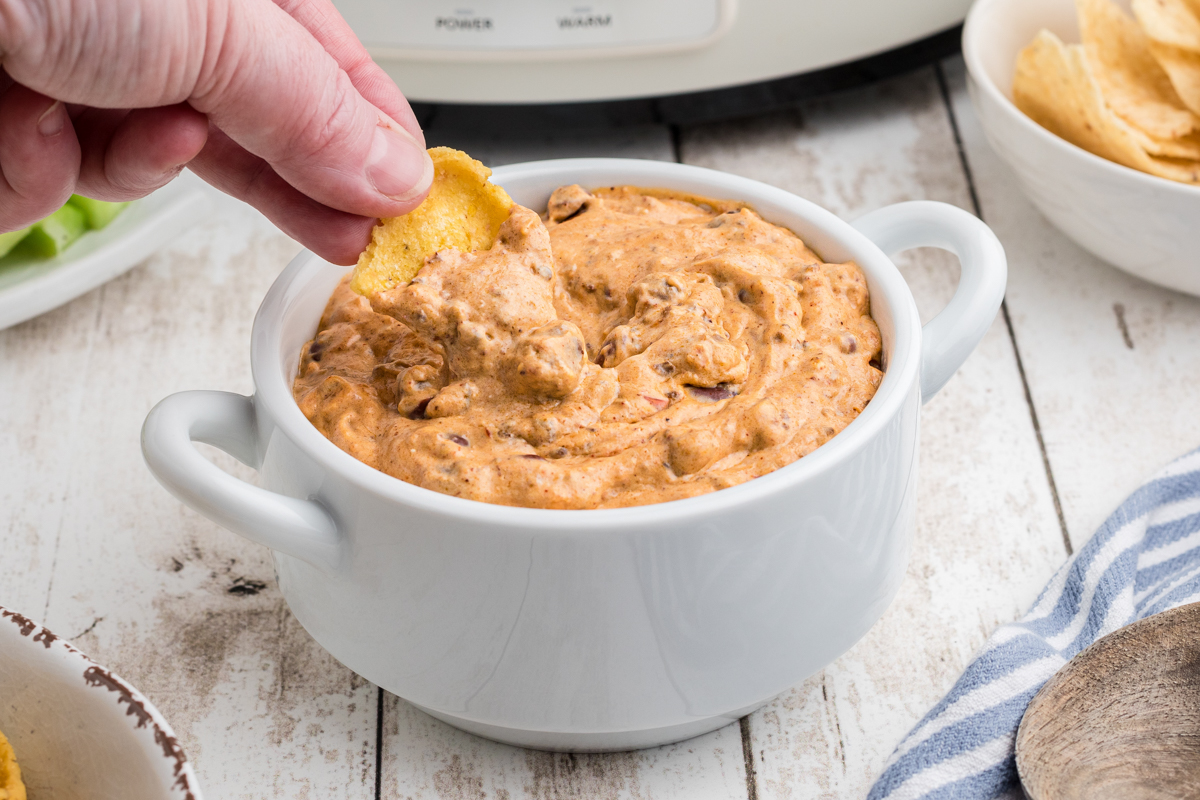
{"x":1055,"y":88}
{"x":1186,"y":147}
{"x":11,"y":787}
{"x":1170,"y":22}
{"x":1134,"y":86}
{"x":463,"y":211}
{"x":1182,"y":170}
{"x":1183,"y":67}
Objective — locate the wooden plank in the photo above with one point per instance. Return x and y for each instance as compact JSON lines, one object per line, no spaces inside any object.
{"x":185,"y":610}
{"x":425,"y":758}
{"x":34,"y":487}
{"x":1113,"y":362}
{"x":987,"y":537}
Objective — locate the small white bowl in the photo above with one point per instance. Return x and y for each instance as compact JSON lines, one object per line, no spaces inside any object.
{"x":1142,"y":224}
{"x":79,"y":731}
{"x":604,"y":629}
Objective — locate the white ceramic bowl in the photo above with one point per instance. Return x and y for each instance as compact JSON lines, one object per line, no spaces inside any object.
{"x":1142,"y":224}
{"x":79,"y":731}
{"x":606,"y":629}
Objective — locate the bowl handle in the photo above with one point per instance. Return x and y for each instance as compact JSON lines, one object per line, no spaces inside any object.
{"x":300,"y":528}
{"x":951,"y":336}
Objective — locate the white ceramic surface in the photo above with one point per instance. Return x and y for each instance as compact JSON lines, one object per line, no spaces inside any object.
{"x":29,"y":287}
{"x":591,"y":630}
{"x":79,"y":731}
{"x":1137,"y":222}
{"x":760,"y":40}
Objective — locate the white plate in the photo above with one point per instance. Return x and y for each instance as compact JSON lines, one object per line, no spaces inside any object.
{"x":79,"y":731}
{"x":29,"y":287}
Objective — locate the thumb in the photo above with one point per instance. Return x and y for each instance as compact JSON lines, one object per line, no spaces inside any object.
{"x":273,"y":89}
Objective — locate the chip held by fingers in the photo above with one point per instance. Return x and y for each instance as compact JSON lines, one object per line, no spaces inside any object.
{"x":463,"y":211}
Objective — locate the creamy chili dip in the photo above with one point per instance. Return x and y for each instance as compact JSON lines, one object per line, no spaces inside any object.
{"x":632,"y":347}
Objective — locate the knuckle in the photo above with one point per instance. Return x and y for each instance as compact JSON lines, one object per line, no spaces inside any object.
{"x":328,"y":125}
{"x":130,"y":185}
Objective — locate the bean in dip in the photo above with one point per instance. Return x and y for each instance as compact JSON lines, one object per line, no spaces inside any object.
{"x":630,"y":347}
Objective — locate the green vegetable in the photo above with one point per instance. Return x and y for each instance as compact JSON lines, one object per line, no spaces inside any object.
{"x":56,"y":232}
{"x":98,"y":212}
{"x":10,"y":240}
{"x":59,"y":230}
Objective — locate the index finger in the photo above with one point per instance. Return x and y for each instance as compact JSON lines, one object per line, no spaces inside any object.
{"x":278,"y":93}
{"x":325,"y":23}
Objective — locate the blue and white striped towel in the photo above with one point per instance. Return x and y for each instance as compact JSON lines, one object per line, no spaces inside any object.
{"x":1144,"y":559}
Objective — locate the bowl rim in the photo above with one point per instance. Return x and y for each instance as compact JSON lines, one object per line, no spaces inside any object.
{"x":973,"y":35}
{"x":900,"y":376}
{"x":141,"y":713}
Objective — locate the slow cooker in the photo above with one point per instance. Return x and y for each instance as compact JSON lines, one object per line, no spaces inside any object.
{"x":568,"y":51}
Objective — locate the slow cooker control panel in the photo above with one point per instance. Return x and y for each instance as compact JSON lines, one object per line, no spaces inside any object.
{"x":425,"y":27}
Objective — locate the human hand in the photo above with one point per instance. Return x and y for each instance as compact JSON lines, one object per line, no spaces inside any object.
{"x":276,"y":103}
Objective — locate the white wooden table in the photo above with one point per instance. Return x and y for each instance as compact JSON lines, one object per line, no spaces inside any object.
{"x":1087,"y":382}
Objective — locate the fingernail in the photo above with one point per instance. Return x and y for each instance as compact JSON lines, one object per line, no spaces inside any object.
{"x":398,"y":166}
{"x":52,"y":120}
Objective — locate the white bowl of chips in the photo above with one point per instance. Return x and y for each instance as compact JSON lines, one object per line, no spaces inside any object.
{"x":1139,"y":222}
{"x":80,"y":732}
